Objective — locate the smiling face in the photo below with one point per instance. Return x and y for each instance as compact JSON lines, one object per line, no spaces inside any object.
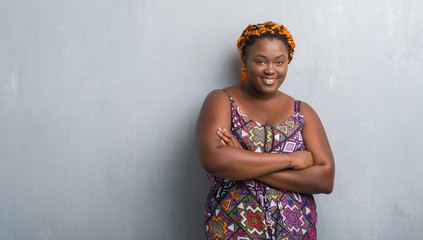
{"x":267,"y":64}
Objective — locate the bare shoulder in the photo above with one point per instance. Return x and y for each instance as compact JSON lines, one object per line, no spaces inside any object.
{"x":215,"y":113}
{"x":216,"y":106}
{"x":216,"y":97}
{"x":285,"y":97}
{"x":286,"y":102}
{"x":308,"y":112}
{"x":306,"y":108}
{"x":235,"y":91}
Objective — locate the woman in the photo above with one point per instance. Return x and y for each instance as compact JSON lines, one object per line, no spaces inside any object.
{"x":263,"y":178}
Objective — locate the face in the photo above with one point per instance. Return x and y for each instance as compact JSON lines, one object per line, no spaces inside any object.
{"x":267,"y":64}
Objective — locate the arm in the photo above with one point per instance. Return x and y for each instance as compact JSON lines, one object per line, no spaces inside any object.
{"x":298,"y":159}
{"x":320,"y":177}
{"x":227,"y":161}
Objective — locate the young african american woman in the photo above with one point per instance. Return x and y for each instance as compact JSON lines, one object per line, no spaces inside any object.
{"x":265,"y":152}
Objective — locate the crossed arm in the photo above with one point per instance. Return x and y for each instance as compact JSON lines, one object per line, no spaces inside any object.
{"x":310,"y":171}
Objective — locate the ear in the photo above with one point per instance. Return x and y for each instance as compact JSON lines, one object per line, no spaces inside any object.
{"x":244,"y":61}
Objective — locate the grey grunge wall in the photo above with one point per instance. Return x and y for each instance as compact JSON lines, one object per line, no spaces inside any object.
{"x":99,"y":101}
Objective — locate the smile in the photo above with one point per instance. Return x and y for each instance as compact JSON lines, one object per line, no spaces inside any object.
{"x":269,"y":80}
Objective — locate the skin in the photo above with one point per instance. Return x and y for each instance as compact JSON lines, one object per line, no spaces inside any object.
{"x":310,"y":171}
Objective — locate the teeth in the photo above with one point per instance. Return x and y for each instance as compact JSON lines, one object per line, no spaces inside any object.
{"x":269,"y":80}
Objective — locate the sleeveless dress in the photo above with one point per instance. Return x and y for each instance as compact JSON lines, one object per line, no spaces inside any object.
{"x":249,"y":209}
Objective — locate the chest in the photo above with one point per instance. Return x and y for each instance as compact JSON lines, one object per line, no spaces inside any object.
{"x":281,"y":137}
{"x":270,"y":114}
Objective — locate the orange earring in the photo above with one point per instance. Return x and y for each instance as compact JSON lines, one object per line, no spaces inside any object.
{"x":244,"y":75}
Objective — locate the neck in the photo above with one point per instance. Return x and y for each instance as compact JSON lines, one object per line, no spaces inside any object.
{"x":252,"y":92}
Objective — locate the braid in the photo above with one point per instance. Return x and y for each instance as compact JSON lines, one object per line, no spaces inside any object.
{"x":264,"y":30}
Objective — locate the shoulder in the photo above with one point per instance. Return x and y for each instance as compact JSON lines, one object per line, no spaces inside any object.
{"x":283,"y":97}
{"x":286,"y":101}
{"x":308,"y":112}
{"x":223,"y":95}
{"x":215,"y":113}
{"x":217,"y":96}
{"x":216,"y":102}
{"x":305,"y":107}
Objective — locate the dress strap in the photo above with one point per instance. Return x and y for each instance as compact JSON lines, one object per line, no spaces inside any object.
{"x":297,"y":105}
{"x":229,"y":95}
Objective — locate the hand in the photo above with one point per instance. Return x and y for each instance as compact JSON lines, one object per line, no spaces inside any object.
{"x":301,"y":159}
{"x":227,"y":139}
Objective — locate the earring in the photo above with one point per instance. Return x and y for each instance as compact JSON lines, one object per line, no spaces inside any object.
{"x":244,"y":75}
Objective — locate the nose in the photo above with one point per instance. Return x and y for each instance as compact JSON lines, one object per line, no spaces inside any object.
{"x":269,"y":69}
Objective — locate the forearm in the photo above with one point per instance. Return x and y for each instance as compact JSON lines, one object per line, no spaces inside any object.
{"x":315,"y":179}
{"x":239,"y":164}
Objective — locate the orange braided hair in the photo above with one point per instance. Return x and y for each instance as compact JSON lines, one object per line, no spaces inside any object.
{"x":263,"y":30}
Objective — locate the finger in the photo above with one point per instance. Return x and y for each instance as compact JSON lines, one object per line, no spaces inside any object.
{"x":229,"y":139}
{"x":219,"y":133}
{"x":222,"y":137}
{"x":232,"y":138}
{"x":223,"y":142}
{"x":236,"y":143}
{"x":228,"y":135}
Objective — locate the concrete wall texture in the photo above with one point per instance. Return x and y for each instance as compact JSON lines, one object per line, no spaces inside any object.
{"x":99,"y":100}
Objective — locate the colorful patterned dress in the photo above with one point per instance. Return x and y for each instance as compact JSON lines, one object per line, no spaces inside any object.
{"x":241,"y":210}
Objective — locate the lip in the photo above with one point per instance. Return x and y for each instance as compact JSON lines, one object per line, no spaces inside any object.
{"x":268,"y":81}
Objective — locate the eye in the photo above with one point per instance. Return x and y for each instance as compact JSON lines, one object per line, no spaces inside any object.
{"x":279,"y":63}
{"x":259,"y":61}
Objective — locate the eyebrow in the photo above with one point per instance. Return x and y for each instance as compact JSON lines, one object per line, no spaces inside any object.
{"x":283,"y":55}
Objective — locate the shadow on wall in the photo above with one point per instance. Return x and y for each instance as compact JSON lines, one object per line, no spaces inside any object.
{"x":191,"y":183}
{"x":229,"y":73}
{"x":191,"y":180}
{"x":235,"y":69}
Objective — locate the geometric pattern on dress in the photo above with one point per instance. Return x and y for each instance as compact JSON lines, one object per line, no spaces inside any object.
{"x":249,"y":215}
{"x":219,"y":226}
{"x":260,"y":138}
{"x":241,"y":210}
{"x":295,"y":219}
